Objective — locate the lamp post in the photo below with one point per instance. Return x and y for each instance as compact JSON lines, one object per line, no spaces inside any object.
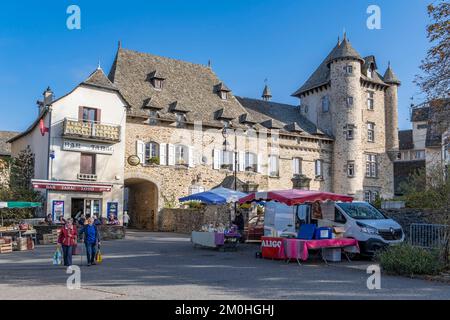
{"x":225,"y":143}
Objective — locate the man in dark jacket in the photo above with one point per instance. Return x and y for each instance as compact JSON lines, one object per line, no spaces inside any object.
{"x":91,"y":240}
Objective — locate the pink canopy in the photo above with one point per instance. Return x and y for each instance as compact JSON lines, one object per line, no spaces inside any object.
{"x":295,"y":196}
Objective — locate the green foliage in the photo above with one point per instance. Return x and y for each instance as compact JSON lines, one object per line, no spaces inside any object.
{"x":407,"y":260}
{"x":154,"y":160}
{"x":20,"y":188}
{"x":171,"y":202}
{"x":193,"y":204}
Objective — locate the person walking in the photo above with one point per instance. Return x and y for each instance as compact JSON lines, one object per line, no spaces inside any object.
{"x":67,"y":240}
{"x":126,"y":219}
{"x":91,"y":240}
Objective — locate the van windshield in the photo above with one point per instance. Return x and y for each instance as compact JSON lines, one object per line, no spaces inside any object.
{"x":361,"y":211}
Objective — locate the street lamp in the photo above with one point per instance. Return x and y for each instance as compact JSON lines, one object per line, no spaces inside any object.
{"x":225,"y":144}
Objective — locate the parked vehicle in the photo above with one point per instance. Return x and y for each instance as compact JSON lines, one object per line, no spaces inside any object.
{"x":360,"y":220}
{"x":255,"y":228}
{"x":368,"y":225}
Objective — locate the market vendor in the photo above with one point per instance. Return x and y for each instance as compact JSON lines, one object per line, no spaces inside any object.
{"x":316,"y":212}
{"x":239,"y":222}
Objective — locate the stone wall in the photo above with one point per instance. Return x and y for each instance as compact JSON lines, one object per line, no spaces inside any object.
{"x":4,"y":171}
{"x":188,"y":220}
{"x":407,"y":216}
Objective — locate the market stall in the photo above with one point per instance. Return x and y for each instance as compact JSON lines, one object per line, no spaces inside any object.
{"x":292,"y":230}
{"x":210,"y":235}
{"x":20,"y":237}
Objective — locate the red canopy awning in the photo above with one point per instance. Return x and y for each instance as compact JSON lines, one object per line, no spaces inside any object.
{"x":295,"y":196}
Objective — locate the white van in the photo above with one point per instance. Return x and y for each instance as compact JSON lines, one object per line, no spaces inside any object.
{"x":360,"y":220}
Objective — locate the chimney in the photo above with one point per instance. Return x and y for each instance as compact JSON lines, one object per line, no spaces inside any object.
{"x":48,"y":99}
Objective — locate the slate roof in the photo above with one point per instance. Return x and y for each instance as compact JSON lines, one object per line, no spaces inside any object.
{"x":438,"y":123}
{"x":99,"y":79}
{"x":390,"y":77}
{"x":191,"y":86}
{"x":5,"y":147}
{"x":420,"y":114}
{"x":266,"y":92}
{"x":321,"y":76}
{"x":284,"y":115}
{"x":405,"y":138}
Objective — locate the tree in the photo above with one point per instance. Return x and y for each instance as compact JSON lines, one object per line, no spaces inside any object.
{"x":435,"y":81}
{"x":20,"y":187}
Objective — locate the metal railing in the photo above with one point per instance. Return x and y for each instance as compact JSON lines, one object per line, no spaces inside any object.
{"x":431,"y":236}
{"x":91,"y":130}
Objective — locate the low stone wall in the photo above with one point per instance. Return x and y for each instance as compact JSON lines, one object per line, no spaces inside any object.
{"x":107,"y":232}
{"x":407,"y":216}
{"x":188,"y":220}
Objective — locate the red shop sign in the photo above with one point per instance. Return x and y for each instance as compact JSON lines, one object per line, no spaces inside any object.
{"x":272,"y":248}
{"x":67,"y":186}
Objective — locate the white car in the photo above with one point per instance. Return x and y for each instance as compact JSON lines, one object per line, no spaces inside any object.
{"x":368,"y":225}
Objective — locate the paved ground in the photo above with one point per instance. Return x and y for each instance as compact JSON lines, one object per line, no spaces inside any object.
{"x":166,"y":266}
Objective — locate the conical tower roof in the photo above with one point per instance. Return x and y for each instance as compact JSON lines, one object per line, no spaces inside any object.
{"x":267,"y":95}
{"x":390,"y":77}
{"x":344,"y":50}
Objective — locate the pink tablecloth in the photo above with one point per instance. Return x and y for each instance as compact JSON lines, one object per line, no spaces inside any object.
{"x":298,"y":249}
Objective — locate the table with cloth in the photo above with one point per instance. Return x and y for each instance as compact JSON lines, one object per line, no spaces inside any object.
{"x":298,"y":249}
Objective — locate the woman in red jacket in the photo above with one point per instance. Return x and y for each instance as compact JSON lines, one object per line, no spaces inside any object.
{"x":67,"y":239}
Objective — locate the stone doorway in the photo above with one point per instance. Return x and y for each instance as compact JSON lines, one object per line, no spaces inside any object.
{"x":141,"y":201}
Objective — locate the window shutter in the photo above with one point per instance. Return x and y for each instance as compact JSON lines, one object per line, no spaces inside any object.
{"x":163,"y":154}
{"x":216,"y":159}
{"x":171,"y":154}
{"x":233,"y":160}
{"x":241,"y":161}
{"x":259,"y":164}
{"x":80,"y":113}
{"x":140,"y":151}
{"x":98,"y":115}
{"x":191,"y":157}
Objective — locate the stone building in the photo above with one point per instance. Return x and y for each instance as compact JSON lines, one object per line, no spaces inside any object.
{"x":5,"y":156}
{"x":78,"y":145}
{"x":426,"y":145}
{"x":348,"y":99}
{"x":185,"y":131}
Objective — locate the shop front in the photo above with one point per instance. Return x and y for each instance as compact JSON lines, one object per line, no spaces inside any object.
{"x":71,"y":199}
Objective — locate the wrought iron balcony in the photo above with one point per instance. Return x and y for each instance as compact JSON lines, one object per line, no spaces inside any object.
{"x":91,"y":130}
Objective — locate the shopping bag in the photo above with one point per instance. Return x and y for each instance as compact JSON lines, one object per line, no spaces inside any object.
{"x":76,"y":250}
{"x":57,"y":257}
{"x":98,"y":257}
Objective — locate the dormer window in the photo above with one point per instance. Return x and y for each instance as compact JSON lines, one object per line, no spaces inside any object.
{"x":222,"y":91}
{"x":157,"y":79}
{"x":370,"y":71}
{"x":180,"y":119}
{"x":325,"y":104}
{"x":158,"y":83}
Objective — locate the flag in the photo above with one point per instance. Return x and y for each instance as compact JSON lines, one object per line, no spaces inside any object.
{"x":42,"y":127}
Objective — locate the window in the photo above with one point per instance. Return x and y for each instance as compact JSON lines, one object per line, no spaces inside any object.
{"x":348,"y":69}
{"x":306,"y":109}
{"x":319,"y":169}
{"x":90,"y":114}
{"x":87,"y":163}
{"x":153,"y":119}
{"x":227,"y":160}
{"x":273,"y":166}
{"x":181,"y":155}
{"x":371,"y":196}
{"x":325,"y":104}
{"x":349,"y":132}
{"x":158,"y":83}
{"x":350,"y":169}
{"x":419,"y":154}
{"x":223,"y":95}
{"x":339,"y":217}
{"x":349,"y":102}
{"x":371,"y":166}
{"x":370,"y":132}
{"x":370,"y":100}
{"x":422,"y":126}
{"x":370,"y":72}
{"x":297,"y":165}
{"x":250,"y":162}
{"x":180,"y":119}
{"x":151,"y":153}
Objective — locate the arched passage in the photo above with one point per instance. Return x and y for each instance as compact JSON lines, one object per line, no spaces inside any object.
{"x":141,"y":201}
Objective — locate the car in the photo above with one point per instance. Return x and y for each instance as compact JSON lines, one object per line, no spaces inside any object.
{"x":254,"y":229}
{"x":365,"y":223}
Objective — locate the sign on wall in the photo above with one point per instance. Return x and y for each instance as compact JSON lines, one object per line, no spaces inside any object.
{"x":112,"y":208}
{"x":57,"y":209}
{"x":89,"y":147}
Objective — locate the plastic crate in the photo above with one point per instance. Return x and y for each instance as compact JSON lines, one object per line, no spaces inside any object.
{"x":323,"y":233}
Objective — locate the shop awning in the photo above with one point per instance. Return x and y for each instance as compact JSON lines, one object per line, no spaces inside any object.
{"x":294,"y":196}
{"x":19,"y":204}
{"x":215,"y":196}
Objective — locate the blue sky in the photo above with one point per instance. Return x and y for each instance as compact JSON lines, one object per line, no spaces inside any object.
{"x":246,"y":40}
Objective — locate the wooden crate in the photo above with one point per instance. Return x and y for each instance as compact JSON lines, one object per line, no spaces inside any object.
{"x":6,"y":248}
{"x":49,"y":239}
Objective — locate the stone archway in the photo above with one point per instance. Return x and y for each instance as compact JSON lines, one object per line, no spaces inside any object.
{"x":141,"y":201}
